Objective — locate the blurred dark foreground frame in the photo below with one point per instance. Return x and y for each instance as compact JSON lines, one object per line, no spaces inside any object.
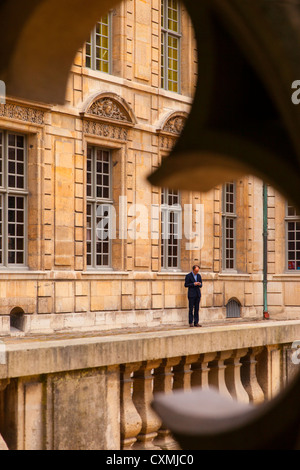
{"x":242,"y":121}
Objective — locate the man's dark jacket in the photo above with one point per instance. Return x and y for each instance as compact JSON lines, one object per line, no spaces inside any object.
{"x":193,"y":291}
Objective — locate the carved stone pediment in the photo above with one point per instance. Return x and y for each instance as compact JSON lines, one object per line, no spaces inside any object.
{"x":171,"y":129}
{"x":108,"y":109}
{"x":174,"y":125}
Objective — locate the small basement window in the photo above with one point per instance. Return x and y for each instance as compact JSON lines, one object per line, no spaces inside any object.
{"x":17,"y":319}
{"x":233,"y":309}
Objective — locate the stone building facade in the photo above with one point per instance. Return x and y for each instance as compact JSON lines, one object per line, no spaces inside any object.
{"x":65,"y":168}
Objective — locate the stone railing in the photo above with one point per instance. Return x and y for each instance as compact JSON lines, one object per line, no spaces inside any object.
{"x":96,"y":392}
{"x":232,"y":372}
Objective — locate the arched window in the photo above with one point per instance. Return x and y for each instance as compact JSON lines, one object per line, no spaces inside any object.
{"x":233,"y":309}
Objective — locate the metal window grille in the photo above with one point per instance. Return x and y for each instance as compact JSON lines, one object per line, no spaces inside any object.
{"x":292,"y":238}
{"x":229,"y":226}
{"x":13,"y":199}
{"x":171,"y":220}
{"x":99,"y":203}
{"x":170,"y":45}
{"x":233,"y":309}
{"x":98,"y":46}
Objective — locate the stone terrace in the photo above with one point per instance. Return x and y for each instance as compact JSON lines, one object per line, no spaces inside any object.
{"x":85,"y":390}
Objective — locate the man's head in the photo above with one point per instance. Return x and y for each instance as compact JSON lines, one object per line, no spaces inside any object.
{"x":196,"y":268}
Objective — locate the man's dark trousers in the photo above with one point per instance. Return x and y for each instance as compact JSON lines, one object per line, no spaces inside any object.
{"x":194,"y":296}
{"x":194,"y":305}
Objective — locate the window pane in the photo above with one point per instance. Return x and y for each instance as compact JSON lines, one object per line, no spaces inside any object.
{"x":98,"y":188}
{"x":292,"y":211}
{"x":98,"y":47}
{"x":173,"y":15}
{"x":170,"y":229}
{"x":16,"y":159}
{"x":170,"y":44}
{"x":1,"y":229}
{"x":1,"y":158}
{"x":16,"y":229}
{"x":229,"y":225}
{"x":293,"y":239}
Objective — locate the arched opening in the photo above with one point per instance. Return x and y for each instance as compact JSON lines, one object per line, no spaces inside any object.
{"x":233,"y":309}
{"x":17,"y":319}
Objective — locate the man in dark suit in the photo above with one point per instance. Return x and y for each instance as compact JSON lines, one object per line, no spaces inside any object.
{"x":193,"y":282}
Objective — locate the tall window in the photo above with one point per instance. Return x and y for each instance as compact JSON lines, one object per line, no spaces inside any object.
{"x":99,"y":203}
{"x":13,"y":199}
{"x":170,"y":229}
{"x":292,"y":238}
{"x":170,"y":45}
{"x":229,"y":225}
{"x":98,"y":47}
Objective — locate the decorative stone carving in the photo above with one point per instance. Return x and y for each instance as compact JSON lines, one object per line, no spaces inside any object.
{"x":175,"y":125}
{"x":22,"y":113}
{"x":166,"y":142}
{"x":170,"y":131}
{"x":105,"y":130}
{"x":109,"y":109}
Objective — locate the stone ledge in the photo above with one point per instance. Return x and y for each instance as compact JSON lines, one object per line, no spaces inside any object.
{"x":37,"y":355}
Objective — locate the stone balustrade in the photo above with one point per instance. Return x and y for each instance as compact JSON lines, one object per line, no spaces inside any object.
{"x":222,"y":370}
{"x":95,"y":392}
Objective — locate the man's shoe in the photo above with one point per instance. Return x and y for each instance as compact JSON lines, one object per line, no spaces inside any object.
{"x":191,"y":324}
{"x":197,"y":325}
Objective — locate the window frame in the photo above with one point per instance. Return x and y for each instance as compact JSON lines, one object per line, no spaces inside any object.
{"x":95,"y":201}
{"x":92,"y":41}
{"x":290,"y":218}
{"x":165,"y":33}
{"x":165,"y":211}
{"x":225,"y":217}
{"x":5,"y":193}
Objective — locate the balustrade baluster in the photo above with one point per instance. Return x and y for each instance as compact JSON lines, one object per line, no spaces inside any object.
{"x":163,"y":382}
{"x":183,"y":372}
{"x":216,"y":375}
{"x":233,"y":376}
{"x":200,"y":370}
{"x":3,"y":385}
{"x":131,"y":422}
{"x":142,"y":398}
{"x":249,"y":377}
